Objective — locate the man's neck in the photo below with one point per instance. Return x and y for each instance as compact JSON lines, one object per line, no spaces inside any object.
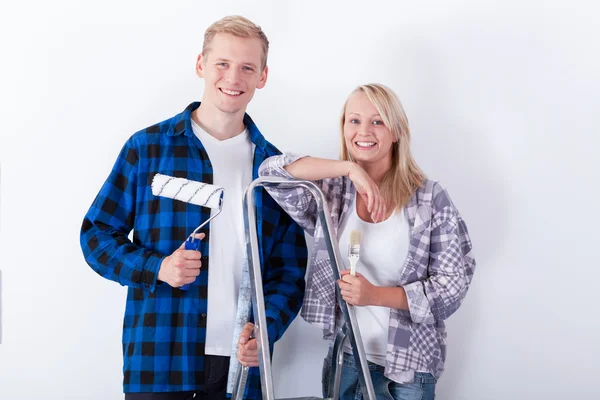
{"x":220,"y":125}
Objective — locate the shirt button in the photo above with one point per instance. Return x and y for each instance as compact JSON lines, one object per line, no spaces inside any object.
{"x":203,"y":315}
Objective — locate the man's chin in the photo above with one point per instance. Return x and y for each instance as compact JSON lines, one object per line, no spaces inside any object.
{"x":232,"y":108}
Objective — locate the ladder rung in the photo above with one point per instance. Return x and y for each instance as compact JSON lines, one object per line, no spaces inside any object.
{"x":306,"y":398}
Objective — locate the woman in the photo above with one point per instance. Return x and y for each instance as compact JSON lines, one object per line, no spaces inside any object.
{"x":415,"y":253}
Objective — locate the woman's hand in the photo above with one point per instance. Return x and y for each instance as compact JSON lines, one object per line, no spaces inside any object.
{"x":357,"y":290}
{"x":369,"y":191}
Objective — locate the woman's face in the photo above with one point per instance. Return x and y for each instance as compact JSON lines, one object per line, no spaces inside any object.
{"x":367,"y":139}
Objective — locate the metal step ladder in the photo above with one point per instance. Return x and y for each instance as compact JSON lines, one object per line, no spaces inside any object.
{"x":349,"y":331}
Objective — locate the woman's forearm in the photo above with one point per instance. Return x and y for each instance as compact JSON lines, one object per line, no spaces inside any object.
{"x":313,"y":168}
{"x":392,"y":297}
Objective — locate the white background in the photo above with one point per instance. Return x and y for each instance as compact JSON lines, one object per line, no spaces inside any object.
{"x":502,"y":97}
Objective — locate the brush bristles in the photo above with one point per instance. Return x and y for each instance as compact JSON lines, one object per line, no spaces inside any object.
{"x":355,"y":238}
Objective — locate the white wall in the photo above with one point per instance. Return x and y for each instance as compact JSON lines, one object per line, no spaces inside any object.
{"x":502,"y":97}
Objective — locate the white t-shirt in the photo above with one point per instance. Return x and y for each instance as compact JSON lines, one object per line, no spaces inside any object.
{"x":383,"y":252}
{"x":232,"y":170}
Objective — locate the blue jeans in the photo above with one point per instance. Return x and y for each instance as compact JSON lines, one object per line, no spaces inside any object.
{"x":423,"y":387}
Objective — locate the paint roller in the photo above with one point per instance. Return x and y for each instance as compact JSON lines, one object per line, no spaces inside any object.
{"x":198,"y":193}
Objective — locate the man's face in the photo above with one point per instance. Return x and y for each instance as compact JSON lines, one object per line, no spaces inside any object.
{"x":232,"y":70}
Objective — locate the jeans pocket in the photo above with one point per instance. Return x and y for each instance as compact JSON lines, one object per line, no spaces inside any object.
{"x":427,"y":386}
{"x":384,"y":392}
{"x":407,"y":391}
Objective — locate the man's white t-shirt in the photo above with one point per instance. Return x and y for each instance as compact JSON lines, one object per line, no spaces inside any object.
{"x":231,"y":161}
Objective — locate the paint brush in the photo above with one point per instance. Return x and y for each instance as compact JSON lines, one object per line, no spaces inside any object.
{"x":354,"y":250}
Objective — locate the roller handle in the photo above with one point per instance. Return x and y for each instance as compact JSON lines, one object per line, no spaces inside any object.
{"x":190,"y":244}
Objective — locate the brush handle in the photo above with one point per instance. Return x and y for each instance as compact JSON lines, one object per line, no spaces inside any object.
{"x":190,"y":244}
{"x":353,"y":262}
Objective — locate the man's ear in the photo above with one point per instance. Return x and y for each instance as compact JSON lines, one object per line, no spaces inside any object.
{"x":263,"y":78}
{"x":200,"y":65}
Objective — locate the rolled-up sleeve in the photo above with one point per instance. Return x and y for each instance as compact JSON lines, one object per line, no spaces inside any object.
{"x":451,"y":265}
{"x":297,"y":201}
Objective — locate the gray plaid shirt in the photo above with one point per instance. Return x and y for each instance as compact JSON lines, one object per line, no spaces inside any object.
{"x":436,"y":274}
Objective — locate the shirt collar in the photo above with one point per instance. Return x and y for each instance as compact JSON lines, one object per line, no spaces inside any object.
{"x":182,"y":124}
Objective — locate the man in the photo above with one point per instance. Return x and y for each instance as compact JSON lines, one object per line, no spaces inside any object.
{"x":177,"y":343}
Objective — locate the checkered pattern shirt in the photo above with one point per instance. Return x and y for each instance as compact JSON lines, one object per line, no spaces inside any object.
{"x":436,"y":274}
{"x":164,"y":328}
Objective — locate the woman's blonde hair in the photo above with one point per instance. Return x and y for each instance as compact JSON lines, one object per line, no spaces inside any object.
{"x":237,"y":26}
{"x":404,"y":176}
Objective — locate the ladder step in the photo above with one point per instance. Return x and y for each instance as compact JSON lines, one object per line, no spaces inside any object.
{"x":306,"y":398}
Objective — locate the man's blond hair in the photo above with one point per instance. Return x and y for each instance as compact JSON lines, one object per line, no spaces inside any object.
{"x":238,"y":26}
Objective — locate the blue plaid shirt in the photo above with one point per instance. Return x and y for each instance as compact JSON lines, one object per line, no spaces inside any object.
{"x":164,"y":328}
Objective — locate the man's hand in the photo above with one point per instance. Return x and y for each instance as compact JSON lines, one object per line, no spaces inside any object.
{"x":357,"y":290}
{"x":181,"y":267}
{"x":247,"y":348}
